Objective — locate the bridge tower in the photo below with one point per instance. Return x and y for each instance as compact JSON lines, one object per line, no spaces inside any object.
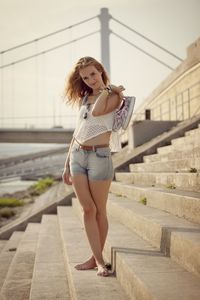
{"x":104,"y":18}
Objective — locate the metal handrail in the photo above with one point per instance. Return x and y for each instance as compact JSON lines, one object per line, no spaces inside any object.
{"x":178,"y":106}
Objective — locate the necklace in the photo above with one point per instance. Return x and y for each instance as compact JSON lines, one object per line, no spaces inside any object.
{"x":88,"y":104}
{"x":85,"y":115}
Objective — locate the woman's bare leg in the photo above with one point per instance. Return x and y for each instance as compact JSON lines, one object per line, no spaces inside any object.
{"x":99,"y":190}
{"x":82,"y":189}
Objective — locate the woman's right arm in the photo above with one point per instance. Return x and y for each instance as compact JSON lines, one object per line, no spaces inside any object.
{"x":103,"y":105}
{"x":66,"y":176}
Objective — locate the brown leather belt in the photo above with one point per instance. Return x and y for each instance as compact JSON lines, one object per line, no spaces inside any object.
{"x":92,"y":148}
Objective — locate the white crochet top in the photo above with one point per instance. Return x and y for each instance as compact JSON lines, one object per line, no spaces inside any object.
{"x":92,"y":126}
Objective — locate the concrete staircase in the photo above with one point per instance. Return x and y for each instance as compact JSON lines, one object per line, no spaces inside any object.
{"x":168,"y":182}
{"x":154,"y":249}
{"x":39,"y":263}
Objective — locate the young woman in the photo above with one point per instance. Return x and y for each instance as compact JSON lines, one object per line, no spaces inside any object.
{"x":88,"y":166}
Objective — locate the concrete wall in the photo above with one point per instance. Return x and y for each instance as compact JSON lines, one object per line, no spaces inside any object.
{"x":178,"y":96}
{"x":141,"y":132}
{"x":175,"y":99}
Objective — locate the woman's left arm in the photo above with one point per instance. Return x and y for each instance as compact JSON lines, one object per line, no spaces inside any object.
{"x":107,"y":102}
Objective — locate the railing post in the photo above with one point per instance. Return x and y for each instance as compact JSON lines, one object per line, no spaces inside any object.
{"x":170,"y":109}
{"x":104,"y":18}
{"x":176,"y":108}
{"x":189,"y":103}
{"x":182,"y":102}
{"x":2,"y":92}
{"x":147,"y":114}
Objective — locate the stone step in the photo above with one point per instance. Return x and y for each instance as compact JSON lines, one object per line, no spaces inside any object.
{"x":18,"y":280}
{"x":188,"y":139}
{"x":2,"y":244}
{"x":177,"y":165}
{"x":193,"y":131}
{"x":7,"y":254}
{"x":175,"y":237}
{"x":184,"y":181}
{"x":142,"y":270}
{"x":183,"y":204}
{"x":178,"y":145}
{"x":83,"y":285}
{"x":122,"y":160}
{"x":49,"y":276}
{"x":181,"y":154}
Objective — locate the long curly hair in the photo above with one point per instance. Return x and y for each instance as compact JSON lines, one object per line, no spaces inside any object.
{"x":75,"y":88}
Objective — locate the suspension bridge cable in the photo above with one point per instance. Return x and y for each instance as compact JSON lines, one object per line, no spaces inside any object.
{"x":140,"y":49}
{"x":47,"y":35}
{"x":149,"y":40}
{"x":49,"y":50}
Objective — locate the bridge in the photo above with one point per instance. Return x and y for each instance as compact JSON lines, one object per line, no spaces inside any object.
{"x":39,"y":123}
{"x":18,"y":135}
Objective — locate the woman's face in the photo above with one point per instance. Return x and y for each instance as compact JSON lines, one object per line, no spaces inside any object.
{"x":92,"y":77}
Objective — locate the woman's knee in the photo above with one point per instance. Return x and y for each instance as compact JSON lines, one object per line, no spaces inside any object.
{"x":101,"y":215}
{"x":89,"y":210}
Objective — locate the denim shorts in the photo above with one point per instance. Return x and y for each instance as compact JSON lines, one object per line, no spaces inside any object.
{"x":95,"y":164}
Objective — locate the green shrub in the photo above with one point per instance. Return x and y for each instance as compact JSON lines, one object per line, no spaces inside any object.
{"x":7,"y":212}
{"x":41,"y":186}
{"x":10,"y":202}
{"x":143,"y":200}
{"x":193,"y":170}
{"x":171,"y":186}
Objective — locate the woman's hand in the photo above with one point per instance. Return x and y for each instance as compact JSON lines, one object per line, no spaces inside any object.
{"x":117,"y":89}
{"x":109,"y":101}
{"x":66,"y":176}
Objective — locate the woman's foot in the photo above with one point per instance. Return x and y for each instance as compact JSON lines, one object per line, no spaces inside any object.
{"x":102,"y":271}
{"x":87,"y":265}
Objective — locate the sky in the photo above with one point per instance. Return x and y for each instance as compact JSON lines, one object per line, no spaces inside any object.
{"x":31,"y":91}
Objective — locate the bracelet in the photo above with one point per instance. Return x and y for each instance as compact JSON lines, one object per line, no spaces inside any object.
{"x":108,"y":89}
